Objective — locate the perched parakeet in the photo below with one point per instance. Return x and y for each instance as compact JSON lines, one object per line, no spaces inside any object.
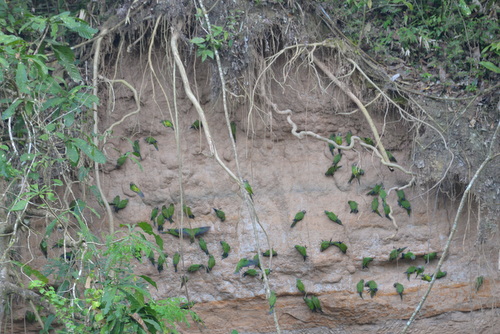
{"x":44,"y":247}
{"x":325,"y":245}
{"x":409,"y":271}
{"x":59,"y":244}
{"x":267,"y":253}
{"x":256,"y":260}
{"x":161,"y":262}
{"x":233,"y":129}
{"x":408,"y":256}
{"x":203,"y":245}
{"x":121,"y":160}
{"x":187,"y":211}
{"x":383,"y":194}
{"x":302,"y":251}
{"x":166,"y":123}
{"x":136,"y":149}
{"x":387,"y":209}
{"x":406,"y":205}
{"x":353,"y":206}
{"x":225,"y":249}
{"x":368,"y":141}
{"x":244,"y":262}
{"x":317,"y":304}
{"x":195,"y":267}
{"x":136,"y":189}
{"x":160,"y":220}
{"x":391,"y":157}
{"x":366,"y":261}
{"x":441,"y":274}
{"x":401,"y":196}
{"x":267,"y":271}
{"x":220,"y":214}
{"x":426,"y":278}
{"x":342,"y":246}
{"x":376,"y":190}
{"x":300,"y":286}
{"x":395,"y":253}
{"x":168,"y":213}
{"x":298,"y":217}
{"x":332,"y":169}
{"x":429,"y":257}
{"x":195,"y":232}
{"x":399,"y":289}
{"x":375,"y":206}
{"x":336,"y":159}
{"x":248,"y":188}
{"x":150,"y":140}
{"x":187,"y":306}
{"x":118,"y":203}
{"x":359,"y":287}
{"x":348,"y":137}
{"x":331,"y":147}
{"x":151,"y":257}
{"x":211,"y":263}
{"x":333,"y":217}
{"x":272,"y":301}
{"x":184,"y":280}
{"x":479,"y":283}
{"x":251,"y":272}
{"x":175,"y":260}
{"x":356,"y":173}
{"x":154,"y":213}
{"x":372,"y":287}
{"x":196,"y":125}
{"x":419,"y":270}
{"x":309,"y":303}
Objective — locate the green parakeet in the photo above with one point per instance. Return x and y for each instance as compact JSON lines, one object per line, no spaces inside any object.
{"x":441,"y":274}
{"x":426,"y":278}
{"x":195,"y":267}
{"x":196,"y":125}
{"x":359,"y":288}
{"x":136,"y":189}
{"x":376,"y":190}
{"x":372,"y":287}
{"x":251,"y":272}
{"x":348,"y":137}
{"x":406,"y":205}
{"x":166,"y":123}
{"x":154,"y":214}
{"x":419,"y":270}
{"x":325,"y":245}
{"x":272,"y":301}
{"x":317,"y":304}
{"x":151,"y":141}
{"x":195,"y":232}
{"x":187,"y":211}
{"x":368,"y":141}
{"x":300,"y":286}
{"x":375,"y":206}
{"x":410,"y":271}
{"x":136,"y":149}
{"x":401,"y":196}
{"x":353,"y":206}
{"x":168,"y":213}
{"x":244,"y":262}
{"x":429,"y":257}
{"x":356,"y":173}
{"x":298,"y":217}
{"x":408,"y":256}
{"x":59,"y":244}
{"x":248,"y":188}
{"x":395,"y":253}
{"x":342,"y":246}
{"x":387,"y":209}
{"x":211,"y":263}
{"x":479,"y":283}
{"x":309,"y":303}
{"x":302,"y":251}
{"x":267,"y":253}
{"x":333,"y":217}
{"x":225,"y":249}
{"x":122,"y":159}
{"x":332,"y":169}
{"x":175,"y":260}
{"x":44,"y":247}
{"x":366,"y":261}
{"x":391,"y":157}
{"x":336,"y":159}
{"x":184,"y":280}
{"x":160,"y":220}
{"x":161,"y":262}
{"x":187,"y":306}
{"x":119,"y":203}
{"x":220,"y":214}
{"x":203,"y":245}
{"x":399,"y":289}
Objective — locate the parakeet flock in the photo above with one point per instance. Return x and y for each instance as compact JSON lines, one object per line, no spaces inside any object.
{"x":250,"y":268}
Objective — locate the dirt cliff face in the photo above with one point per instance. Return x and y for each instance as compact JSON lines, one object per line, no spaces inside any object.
{"x":287,"y":175}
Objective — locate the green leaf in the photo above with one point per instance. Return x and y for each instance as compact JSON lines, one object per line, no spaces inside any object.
{"x":464,"y":8}
{"x":90,"y":150}
{"x":149,"y":280}
{"x":30,"y":271}
{"x":11,"y":110}
{"x":197,"y":41}
{"x":490,"y":66}
{"x":72,"y":153}
{"x":159,"y":241}
{"x":146,"y":227}
{"x":22,"y":78}
{"x":19,"y":206}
